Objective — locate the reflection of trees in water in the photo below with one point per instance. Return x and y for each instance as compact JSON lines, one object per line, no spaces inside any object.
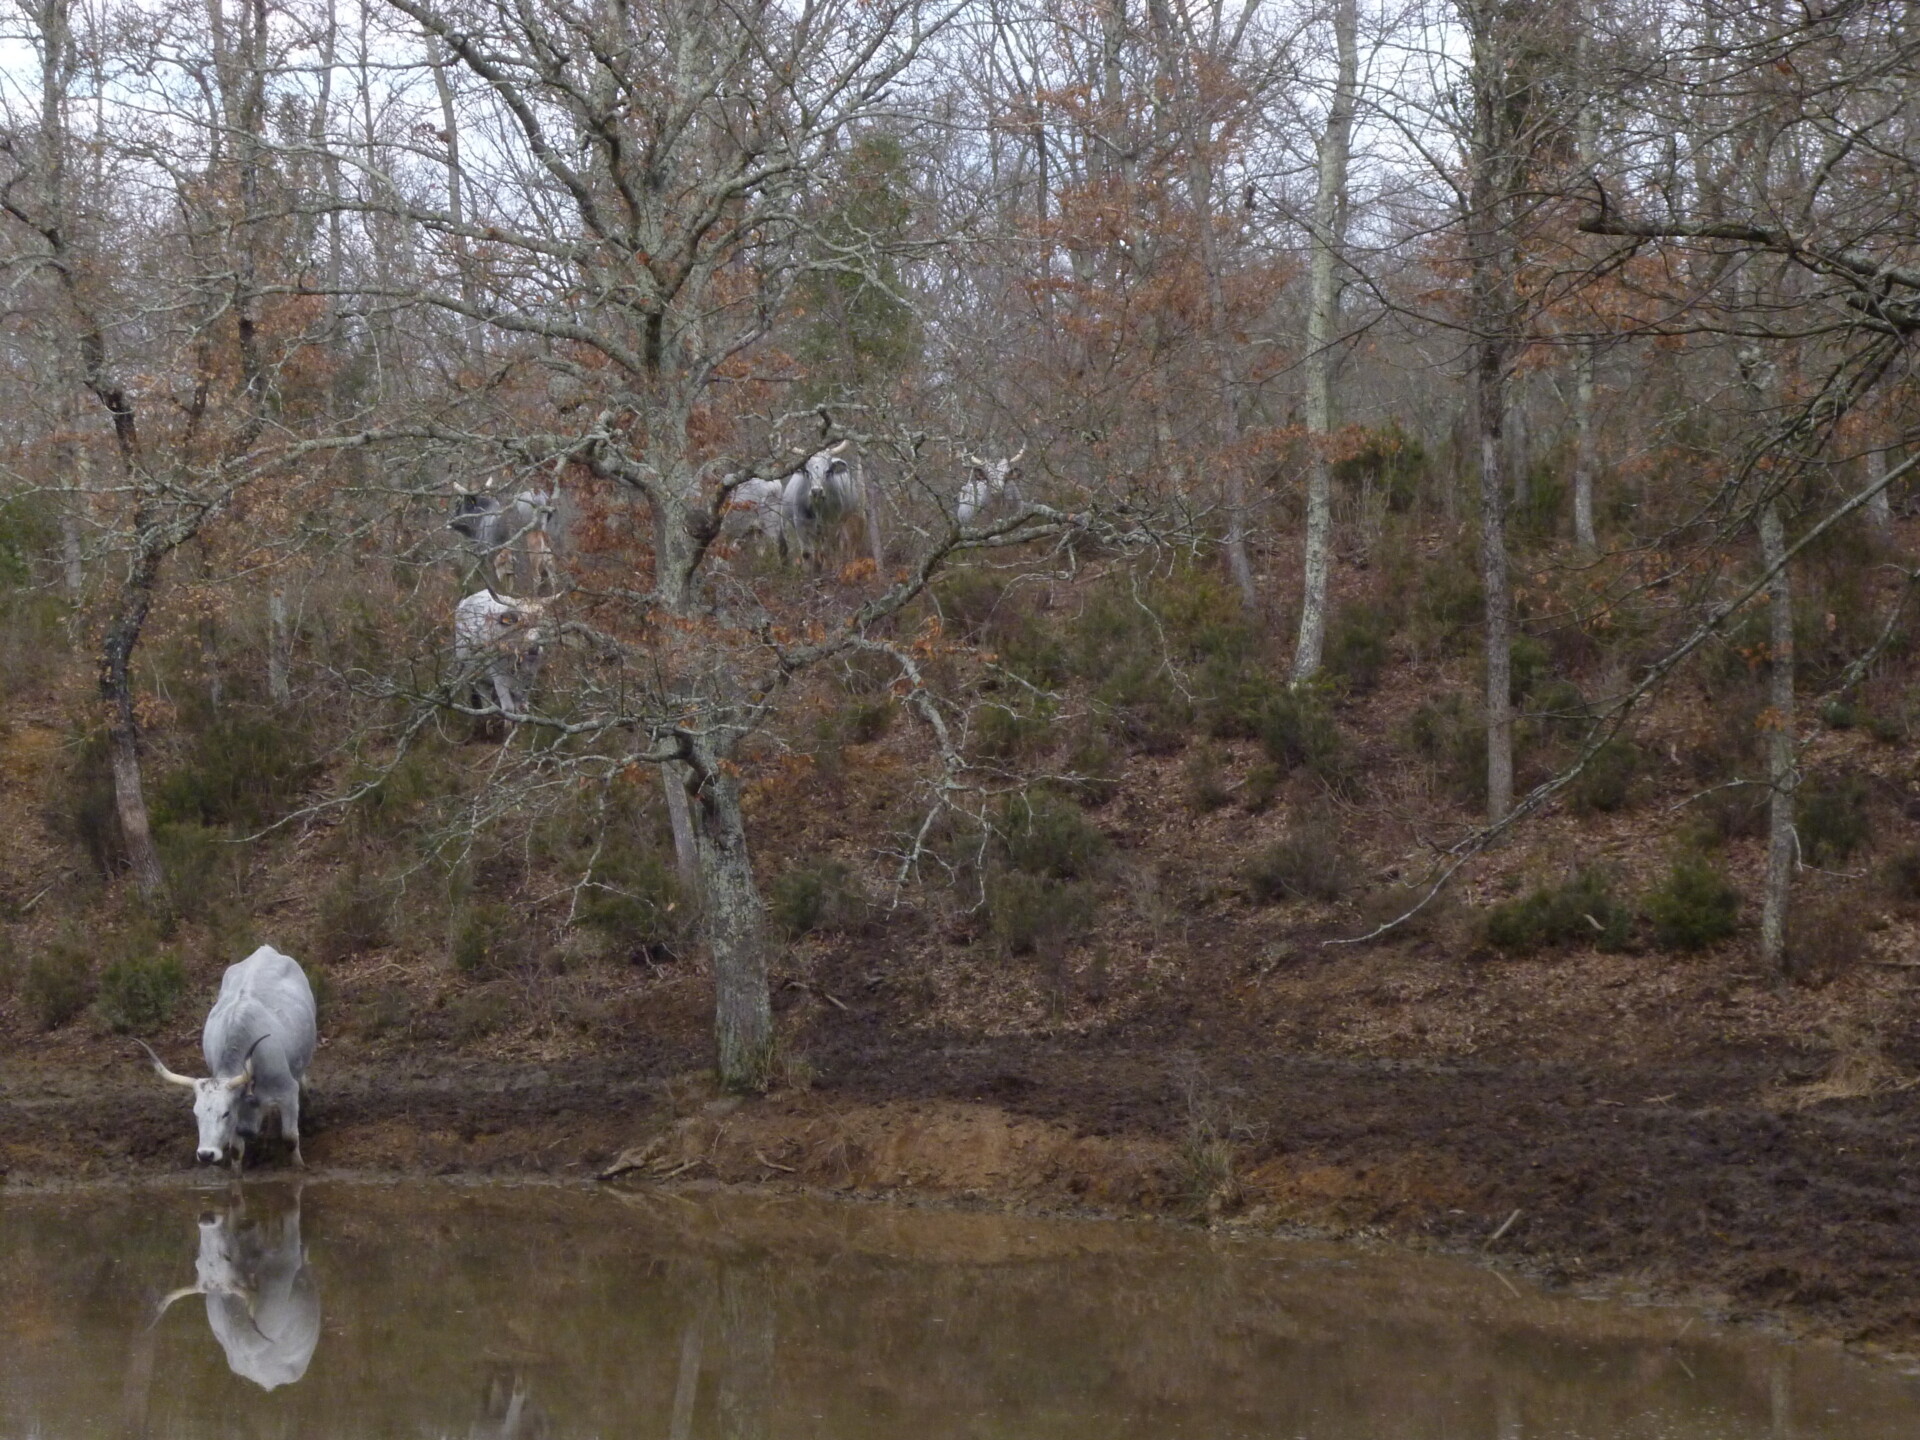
{"x":508,"y":1410}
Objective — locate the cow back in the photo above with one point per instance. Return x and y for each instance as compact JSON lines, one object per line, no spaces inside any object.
{"x":265,"y":995}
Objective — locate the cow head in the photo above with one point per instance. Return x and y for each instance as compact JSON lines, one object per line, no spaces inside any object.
{"x":227,"y":1111}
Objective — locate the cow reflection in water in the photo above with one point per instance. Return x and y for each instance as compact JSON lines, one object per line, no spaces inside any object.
{"x":262,"y":1304}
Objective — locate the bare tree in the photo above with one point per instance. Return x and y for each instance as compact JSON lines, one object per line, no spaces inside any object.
{"x":1327,"y":241}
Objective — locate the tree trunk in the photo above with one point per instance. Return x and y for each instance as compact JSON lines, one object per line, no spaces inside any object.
{"x":123,"y":735}
{"x":1323,"y":320}
{"x":1491,"y":165}
{"x":686,"y":855}
{"x":279,"y":646}
{"x":1782,"y":775}
{"x":1499,"y":597}
{"x":736,"y":929}
{"x":1583,"y":446}
{"x":1880,"y":506}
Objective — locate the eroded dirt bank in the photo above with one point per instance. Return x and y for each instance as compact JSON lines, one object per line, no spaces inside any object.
{"x":1667,"y":1176}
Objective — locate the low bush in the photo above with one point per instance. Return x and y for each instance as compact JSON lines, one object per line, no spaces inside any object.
{"x":1833,"y":818}
{"x":1824,"y":940}
{"x":1036,"y":914}
{"x":240,"y":770}
{"x":491,"y":938}
{"x":1298,"y":732}
{"x":58,"y":983}
{"x":355,"y":915}
{"x":1093,"y":770}
{"x":1450,"y":734}
{"x":1605,"y":782}
{"x":139,"y":993}
{"x":1900,"y":875}
{"x":825,"y":896}
{"x":1694,"y":906}
{"x":1050,"y":836}
{"x":1005,"y":732}
{"x":1358,"y":647}
{"x":1308,"y":864}
{"x":1206,"y":784}
{"x":205,"y":869}
{"x":1581,"y":910}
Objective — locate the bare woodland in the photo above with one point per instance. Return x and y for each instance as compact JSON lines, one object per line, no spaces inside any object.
{"x":1491,"y":375}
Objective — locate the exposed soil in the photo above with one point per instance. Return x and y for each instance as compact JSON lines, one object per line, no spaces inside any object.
{"x":1700,"y":1177}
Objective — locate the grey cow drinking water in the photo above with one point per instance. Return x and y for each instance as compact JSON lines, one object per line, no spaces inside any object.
{"x":258,"y":1041}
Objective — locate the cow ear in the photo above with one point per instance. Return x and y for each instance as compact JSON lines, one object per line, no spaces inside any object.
{"x":1013,"y":474}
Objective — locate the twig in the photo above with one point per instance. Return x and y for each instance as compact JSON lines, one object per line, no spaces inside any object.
{"x":1505,"y":1226}
{"x":770,"y":1164}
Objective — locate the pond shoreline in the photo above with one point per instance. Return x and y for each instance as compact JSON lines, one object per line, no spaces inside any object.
{"x":1653,"y":1201}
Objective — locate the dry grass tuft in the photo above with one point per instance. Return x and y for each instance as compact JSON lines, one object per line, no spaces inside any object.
{"x":1859,"y":1068}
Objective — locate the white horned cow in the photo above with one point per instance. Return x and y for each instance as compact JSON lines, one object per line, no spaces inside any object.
{"x":755,"y":511}
{"x":823,"y":500}
{"x":988,"y":482}
{"x":497,"y":643}
{"x":516,"y":526}
{"x":258,"y":1041}
{"x":262,"y":1304}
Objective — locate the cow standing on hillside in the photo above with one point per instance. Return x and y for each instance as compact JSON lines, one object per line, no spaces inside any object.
{"x":825,"y":499}
{"x":516,"y":526}
{"x":988,"y":482}
{"x":497,"y":645}
{"x":258,"y":1041}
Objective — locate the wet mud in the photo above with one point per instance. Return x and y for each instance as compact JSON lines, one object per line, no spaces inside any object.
{"x":1668,"y":1178}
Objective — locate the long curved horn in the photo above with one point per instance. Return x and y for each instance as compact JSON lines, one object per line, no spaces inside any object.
{"x":1016,"y":456}
{"x":245,"y":1077}
{"x":165,"y":1074}
{"x":838,"y":448}
{"x":171,"y":1296}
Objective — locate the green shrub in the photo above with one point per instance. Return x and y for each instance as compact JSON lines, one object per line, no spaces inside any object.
{"x":240,"y":770}
{"x":1206,"y":785}
{"x":1580,"y":911}
{"x":204,"y":868}
{"x":1694,"y":906}
{"x":1900,"y":876}
{"x":1833,"y":819}
{"x":410,"y":784}
{"x":1035,"y":914}
{"x":82,"y":805}
{"x":1143,"y":707}
{"x":826,"y":896}
{"x":1605,"y":783}
{"x":1451,"y":735}
{"x":1003,"y":732}
{"x":1262,"y":787}
{"x":491,"y":938}
{"x":1357,"y":647}
{"x":1308,"y":864}
{"x":58,"y":984}
{"x":633,"y":897}
{"x":1298,"y":732}
{"x":138,"y":993}
{"x":1093,"y":771}
{"x":1824,"y":940}
{"x":355,"y":915}
{"x":1047,"y":835}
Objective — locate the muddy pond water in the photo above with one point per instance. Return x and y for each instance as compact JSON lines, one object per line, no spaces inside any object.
{"x":443,"y":1310}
